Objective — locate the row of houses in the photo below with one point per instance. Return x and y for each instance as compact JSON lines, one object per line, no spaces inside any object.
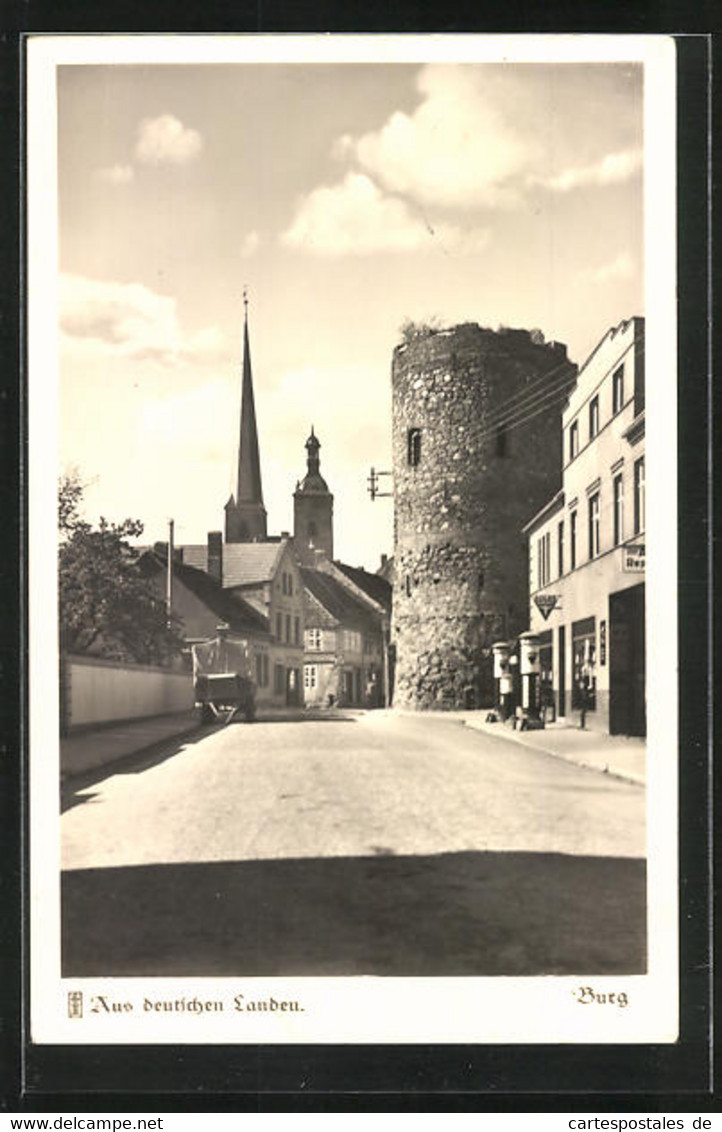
{"x":316,"y":636}
{"x":316,"y":630}
{"x":587,"y":552}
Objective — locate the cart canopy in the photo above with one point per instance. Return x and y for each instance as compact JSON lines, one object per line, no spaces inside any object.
{"x":213,"y":658}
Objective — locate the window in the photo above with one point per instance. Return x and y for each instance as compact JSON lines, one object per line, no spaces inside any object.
{"x":290,"y":585}
{"x":279,"y":626}
{"x":310,"y":676}
{"x":573,"y":439}
{"x":573,"y":541}
{"x":594,"y":525}
{"x":593,"y":417}
{"x":351,"y":640}
{"x":560,"y":548}
{"x":288,"y":628}
{"x":502,"y":441}
{"x":413,"y":447}
{"x":262,"y":669}
{"x":312,"y":532}
{"x":296,"y":631}
{"x":584,"y":663}
{"x":279,"y":679}
{"x":639,"y":506}
{"x":544,"y":559}
{"x":314,"y":638}
{"x":618,"y":390}
{"x":618,"y":510}
{"x":283,"y":583}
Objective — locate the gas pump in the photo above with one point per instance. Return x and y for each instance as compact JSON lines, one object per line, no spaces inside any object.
{"x":530,"y":670}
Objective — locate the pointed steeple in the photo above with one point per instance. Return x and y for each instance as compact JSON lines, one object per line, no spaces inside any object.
{"x":248,"y":484}
{"x":245,"y":514}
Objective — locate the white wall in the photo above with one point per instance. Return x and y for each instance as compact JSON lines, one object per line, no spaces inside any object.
{"x":103,"y":690}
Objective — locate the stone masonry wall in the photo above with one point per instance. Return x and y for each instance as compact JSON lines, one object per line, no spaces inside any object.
{"x":460,"y":556}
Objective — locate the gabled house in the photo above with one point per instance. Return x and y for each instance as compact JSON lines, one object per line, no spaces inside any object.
{"x":266,"y":577}
{"x":202,"y":605}
{"x":345,"y":659}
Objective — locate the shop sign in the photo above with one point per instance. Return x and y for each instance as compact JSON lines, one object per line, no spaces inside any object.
{"x":602,"y":642}
{"x":633,"y":559}
{"x":546,"y":603}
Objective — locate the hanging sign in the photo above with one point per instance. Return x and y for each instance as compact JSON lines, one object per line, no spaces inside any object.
{"x":602,"y":642}
{"x":545,"y":603}
{"x":633,"y":559}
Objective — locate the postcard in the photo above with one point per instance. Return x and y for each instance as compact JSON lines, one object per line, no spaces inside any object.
{"x":352,"y":569}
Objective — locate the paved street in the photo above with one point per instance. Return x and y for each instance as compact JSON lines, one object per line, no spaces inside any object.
{"x":371,"y":844}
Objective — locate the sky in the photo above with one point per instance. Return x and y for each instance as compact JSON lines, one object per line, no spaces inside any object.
{"x":347,"y":198}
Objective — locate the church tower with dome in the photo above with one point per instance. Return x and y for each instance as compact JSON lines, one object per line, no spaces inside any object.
{"x":312,"y":509}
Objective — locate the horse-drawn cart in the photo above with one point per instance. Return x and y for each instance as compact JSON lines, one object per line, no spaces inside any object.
{"x":224,"y":686}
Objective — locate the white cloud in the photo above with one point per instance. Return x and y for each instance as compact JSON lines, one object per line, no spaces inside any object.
{"x":612,"y":169}
{"x":621,"y":267}
{"x":355,"y":217}
{"x":115,"y":174}
{"x":458,"y":148}
{"x":128,"y":320}
{"x":481,"y":137}
{"x":250,"y":244}
{"x":166,"y":139}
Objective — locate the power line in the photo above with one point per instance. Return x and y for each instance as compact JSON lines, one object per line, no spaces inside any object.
{"x":507,"y":413}
{"x":533,"y":387}
{"x":515,"y":401}
{"x":521,"y":418}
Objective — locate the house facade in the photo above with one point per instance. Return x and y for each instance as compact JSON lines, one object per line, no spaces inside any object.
{"x":345,"y":657}
{"x":587,"y":546}
{"x":266,"y":577}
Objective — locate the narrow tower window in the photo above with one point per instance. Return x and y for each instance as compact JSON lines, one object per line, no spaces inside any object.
{"x":413,"y":447}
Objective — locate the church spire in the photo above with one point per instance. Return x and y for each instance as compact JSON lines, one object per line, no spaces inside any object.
{"x":313,"y":508}
{"x":245,"y":514}
{"x":248,"y":484}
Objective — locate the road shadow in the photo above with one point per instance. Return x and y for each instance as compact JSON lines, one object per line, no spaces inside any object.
{"x":450,"y":914}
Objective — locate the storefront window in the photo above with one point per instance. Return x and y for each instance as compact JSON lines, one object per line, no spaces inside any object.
{"x":584,"y":664}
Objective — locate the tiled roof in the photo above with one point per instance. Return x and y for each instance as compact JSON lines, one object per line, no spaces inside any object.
{"x":239,"y":614}
{"x":248,"y":563}
{"x":244,"y":563}
{"x":335,"y":598}
{"x":372,"y":584}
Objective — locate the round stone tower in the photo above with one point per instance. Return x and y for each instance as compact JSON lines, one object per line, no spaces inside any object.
{"x":476,"y":453}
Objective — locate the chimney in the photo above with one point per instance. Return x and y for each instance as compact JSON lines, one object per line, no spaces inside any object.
{"x":215,"y":555}
{"x":384,"y":560}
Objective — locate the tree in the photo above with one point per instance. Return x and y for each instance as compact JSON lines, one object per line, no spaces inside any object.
{"x":106,"y":602}
{"x":411,"y":331}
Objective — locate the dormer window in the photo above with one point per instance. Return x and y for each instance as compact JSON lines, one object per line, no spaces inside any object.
{"x":413,"y":447}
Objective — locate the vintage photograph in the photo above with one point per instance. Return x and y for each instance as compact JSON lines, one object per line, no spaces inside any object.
{"x":349,"y":475}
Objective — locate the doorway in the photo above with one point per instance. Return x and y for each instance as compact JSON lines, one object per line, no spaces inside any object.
{"x":627,"y":689}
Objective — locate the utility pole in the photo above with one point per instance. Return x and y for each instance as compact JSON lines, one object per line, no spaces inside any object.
{"x":169,"y":575}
